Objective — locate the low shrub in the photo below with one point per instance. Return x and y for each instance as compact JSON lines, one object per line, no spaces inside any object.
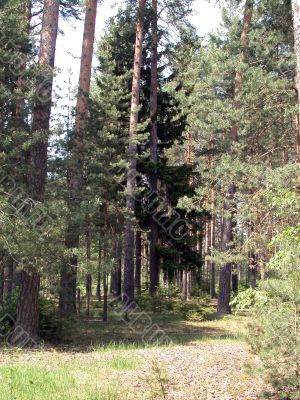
{"x":52,"y":326}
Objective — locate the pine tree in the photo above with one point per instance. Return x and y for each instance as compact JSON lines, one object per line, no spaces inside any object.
{"x":154,"y":262}
{"x":28,"y":301}
{"x":229,"y":201}
{"x":75,"y":178}
{"x":132,"y":153}
{"x":42,"y":108}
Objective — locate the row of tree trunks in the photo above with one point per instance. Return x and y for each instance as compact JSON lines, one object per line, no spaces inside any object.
{"x":67,"y":303}
{"x":116,"y":276}
{"x":132,"y":155}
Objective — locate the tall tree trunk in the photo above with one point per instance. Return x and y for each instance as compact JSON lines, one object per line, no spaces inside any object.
{"x":262,"y":266}
{"x":212,"y":244}
{"x":116,"y":275}
{"x":75,"y":178}
{"x":235,"y":279}
{"x":296,"y":23}
{"x":200,"y":252}
{"x":1,"y":277}
{"x":78,"y":301}
{"x":8,"y":277}
{"x":227,"y":240}
{"x":184,"y":284}
{"x":132,"y":153}
{"x":28,"y":301}
{"x":88,"y":286}
{"x":229,"y":206}
{"x":252,"y":270}
{"x":20,"y":101}
{"x":138,"y":264}
{"x":189,"y":285}
{"x":27,"y":322}
{"x":207,"y":249}
{"x":154,"y":259}
{"x":119,"y":269}
{"x":42,"y":107}
{"x":98,"y":289}
{"x":105,"y":295}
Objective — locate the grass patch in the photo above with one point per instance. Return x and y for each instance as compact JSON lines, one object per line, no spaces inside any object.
{"x":123,"y":363}
{"x":85,"y":378}
{"x":98,"y":359}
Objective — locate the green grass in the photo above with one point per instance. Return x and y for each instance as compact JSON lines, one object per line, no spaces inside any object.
{"x":70,"y":379}
{"x":95,"y":362}
{"x":123,"y":363}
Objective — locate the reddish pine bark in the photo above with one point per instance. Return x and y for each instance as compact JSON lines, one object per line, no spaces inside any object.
{"x":42,"y":107}
{"x":67,"y":302}
{"x":27,"y":323}
{"x":132,"y":153}
{"x":20,"y":102}
{"x":28,"y":301}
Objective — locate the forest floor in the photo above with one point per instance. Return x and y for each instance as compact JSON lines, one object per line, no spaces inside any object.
{"x":205,"y":360}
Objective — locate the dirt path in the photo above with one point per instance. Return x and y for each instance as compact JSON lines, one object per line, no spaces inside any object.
{"x":215,"y":365}
{"x":201,"y":370}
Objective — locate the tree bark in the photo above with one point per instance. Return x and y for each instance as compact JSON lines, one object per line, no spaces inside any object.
{"x":98,"y":289}
{"x":227,"y":240}
{"x":207,"y":246}
{"x":252,"y":270}
{"x":28,"y":302}
{"x":78,"y":300}
{"x":138,"y":259}
{"x":229,"y":205}
{"x":8,"y":277}
{"x":88,"y":286}
{"x":184,"y":284}
{"x":189,"y":285}
{"x":20,"y":101}
{"x":1,"y":278}
{"x":235,"y":279}
{"x":212,"y":244}
{"x":132,"y":153}
{"x":105,"y":295}
{"x":42,"y":107}
{"x":154,"y":259}
{"x":27,"y":322}
{"x":116,"y":275}
{"x":119,"y":269}
{"x":75,"y":173}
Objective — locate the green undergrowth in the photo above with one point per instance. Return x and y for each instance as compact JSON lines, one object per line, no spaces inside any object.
{"x":102,"y":370}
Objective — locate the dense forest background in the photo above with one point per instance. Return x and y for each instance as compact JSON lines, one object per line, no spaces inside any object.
{"x":175,"y":175}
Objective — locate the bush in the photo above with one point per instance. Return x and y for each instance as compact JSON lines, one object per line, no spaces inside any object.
{"x":249,"y":299}
{"x":275,"y":332}
{"x":275,"y":336}
{"x":52,"y":326}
